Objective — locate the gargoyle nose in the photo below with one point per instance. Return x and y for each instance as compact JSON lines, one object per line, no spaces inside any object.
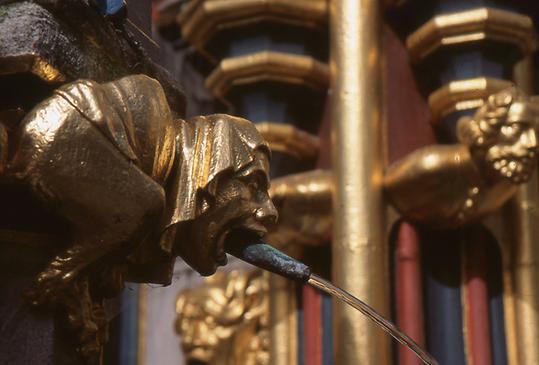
{"x":267,"y":214}
{"x":528,"y":139}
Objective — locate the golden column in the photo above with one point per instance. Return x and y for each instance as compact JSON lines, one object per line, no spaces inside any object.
{"x":359,"y":253}
{"x":525,"y":250}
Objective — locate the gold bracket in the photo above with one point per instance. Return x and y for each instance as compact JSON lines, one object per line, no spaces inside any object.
{"x":461,"y":95}
{"x":200,"y":20}
{"x":264,"y":66}
{"x":472,"y":26}
{"x":290,"y":140}
{"x":33,"y":63}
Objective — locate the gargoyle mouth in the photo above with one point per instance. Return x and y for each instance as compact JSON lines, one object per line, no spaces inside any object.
{"x":239,"y":234}
{"x":243,"y":234}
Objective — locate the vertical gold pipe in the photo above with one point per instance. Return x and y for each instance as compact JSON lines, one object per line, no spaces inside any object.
{"x":359,"y":254}
{"x":526,"y":273}
{"x":525,"y":251}
{"x":142,"y":314}
{"x":509,"y":305}
{"x":283,"y":326}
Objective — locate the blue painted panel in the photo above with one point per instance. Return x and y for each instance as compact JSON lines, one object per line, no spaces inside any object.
{"x":495,"y":292}
{"x":128,"y":342}
{"x":266,"y":36}
{"x":443,"y":310}
{"x":280,"y":103}
{"x":327,"y":330}
{"x":300,"y":318}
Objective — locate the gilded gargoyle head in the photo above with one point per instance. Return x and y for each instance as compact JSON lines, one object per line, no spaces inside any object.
{"x":502,"y":134}
{"x":222,"y":188}
{"x":224,"y":321}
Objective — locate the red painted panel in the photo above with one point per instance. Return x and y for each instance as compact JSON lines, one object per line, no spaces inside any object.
{"x":409,"y":293}
{"x":408,"y":113}
{"x":312,"y":324}
{"x":475,"y":301}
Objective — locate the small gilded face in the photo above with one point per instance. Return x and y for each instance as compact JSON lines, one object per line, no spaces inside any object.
{"x":514,"y":154}
{"x":202,"y":334}
{"x":241,"y":202}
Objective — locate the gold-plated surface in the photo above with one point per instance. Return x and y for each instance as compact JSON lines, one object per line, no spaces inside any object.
{"x":283,"y":323}
{"x":290,"y":140}
{"x":201,"y":19}
{"x":509,"y":306}
{"x":525,"y":249}
{"x":359,"y":246}
{"x":142,"y":323}
{"x":472,"y":26}
{"x":225,"y":321}
{"x":499,"y":224}
{"x":137,"y":189}
{"x":267,"y":65}
{"x":304,"y":203}
{"x":452,"y":185}
{"x":463,"y":95}
{"x":525,"y":271}
{"x":32,"y":63}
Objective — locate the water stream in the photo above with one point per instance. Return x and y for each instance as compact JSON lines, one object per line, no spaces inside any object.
{"x":342,"y":295}
{"x":267,"y":257}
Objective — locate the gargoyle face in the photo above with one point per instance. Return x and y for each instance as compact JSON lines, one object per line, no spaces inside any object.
{"x":240,"y":202}
{"x":514,"y":156}
{"x":514,"y":152}
{"x":503,"y":133}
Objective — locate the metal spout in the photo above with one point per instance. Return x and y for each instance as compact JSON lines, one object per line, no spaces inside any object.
{"x":263,"y":255}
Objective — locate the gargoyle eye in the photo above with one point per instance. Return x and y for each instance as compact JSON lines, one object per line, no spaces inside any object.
{"x":254,"y":186}
{"x":512,"y":129}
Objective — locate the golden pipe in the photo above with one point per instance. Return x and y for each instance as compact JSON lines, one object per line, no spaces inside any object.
{"x":283,"y":341}
{"x":525,"y":269}
{"x":359,"y":254}
{"x":142,"y":317}
{"x":525,"y":251}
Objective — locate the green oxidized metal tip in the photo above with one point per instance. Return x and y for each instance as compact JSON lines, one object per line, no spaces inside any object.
{"x":267,"y":257}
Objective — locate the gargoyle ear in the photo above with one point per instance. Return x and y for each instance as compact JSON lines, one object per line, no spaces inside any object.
{"x":469,"y":132}
{"x":204,"y":202}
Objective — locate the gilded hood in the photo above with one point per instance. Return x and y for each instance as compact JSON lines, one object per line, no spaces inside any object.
{"x":206,"y":147}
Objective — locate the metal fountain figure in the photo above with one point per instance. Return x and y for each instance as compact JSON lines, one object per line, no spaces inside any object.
{"x":138,"y":189}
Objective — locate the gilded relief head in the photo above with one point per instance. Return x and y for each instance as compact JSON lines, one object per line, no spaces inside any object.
{"x":502,"y":133}
{"x":224,"y":321}
{"x":222,"y":186}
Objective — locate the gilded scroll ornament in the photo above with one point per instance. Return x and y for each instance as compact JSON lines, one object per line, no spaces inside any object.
{"x":225,"y":321}
{"x":450,"y":185}
{"x":137,"y":188}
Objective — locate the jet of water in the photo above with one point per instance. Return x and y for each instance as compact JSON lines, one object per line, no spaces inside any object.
{"x":269,"y":258}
